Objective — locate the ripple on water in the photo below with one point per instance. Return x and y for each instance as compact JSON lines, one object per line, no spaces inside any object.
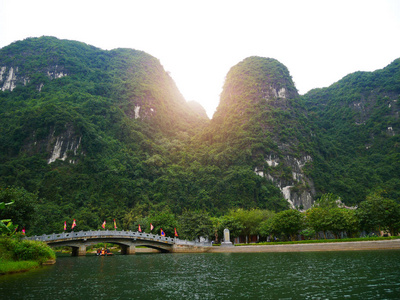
{"x":313,"y":275}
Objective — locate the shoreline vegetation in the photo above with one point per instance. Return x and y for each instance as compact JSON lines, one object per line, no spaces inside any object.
{"x":18,"y":255}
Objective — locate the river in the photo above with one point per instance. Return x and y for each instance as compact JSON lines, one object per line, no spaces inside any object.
{"x":306,"y":275}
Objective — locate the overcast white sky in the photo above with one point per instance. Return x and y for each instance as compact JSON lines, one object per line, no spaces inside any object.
{"x":199,"y":41}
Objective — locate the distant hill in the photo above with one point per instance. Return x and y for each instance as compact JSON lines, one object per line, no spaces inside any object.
{"x":106,"y":134}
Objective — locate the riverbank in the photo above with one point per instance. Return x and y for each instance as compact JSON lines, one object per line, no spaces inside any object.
{"x":343,"y":246}
{"x":17,"y":255}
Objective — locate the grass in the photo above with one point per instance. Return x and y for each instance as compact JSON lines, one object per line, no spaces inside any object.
{"x":7,"y":267}
{"x":377,"y":238}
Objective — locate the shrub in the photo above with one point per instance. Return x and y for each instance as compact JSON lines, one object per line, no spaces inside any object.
{"x":28,"y":250}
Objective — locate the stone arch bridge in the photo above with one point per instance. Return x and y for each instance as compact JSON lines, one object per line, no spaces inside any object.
{"x":128,"y":240}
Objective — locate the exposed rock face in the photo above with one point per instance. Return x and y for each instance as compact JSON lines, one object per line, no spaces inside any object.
{"x":55,"y":72}
{"x":10,"y":81}
{"x":297,"y":190}
{"x":63,"y":143}
{"x":65,"y":146}
{"x":10,"y":77}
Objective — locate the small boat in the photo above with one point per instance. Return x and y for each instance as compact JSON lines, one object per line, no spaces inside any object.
{"x":104,"y":252}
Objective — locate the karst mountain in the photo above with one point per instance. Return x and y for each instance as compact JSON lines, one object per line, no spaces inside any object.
{"x":97,"y":133}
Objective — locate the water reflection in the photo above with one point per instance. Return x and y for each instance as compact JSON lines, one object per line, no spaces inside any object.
{"x":312,"y":275}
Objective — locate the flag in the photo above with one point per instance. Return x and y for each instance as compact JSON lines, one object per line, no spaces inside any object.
{"x":151,"y":227}
{"x":73,"y":224}
{"x":115,"y":224}
{"x":23,"y":231}
{"x":104,"y":224}
{"x":140,"y":229}
{"x":176,"y":234}
{"x":162,"y":232}
{"x":65,"y":225}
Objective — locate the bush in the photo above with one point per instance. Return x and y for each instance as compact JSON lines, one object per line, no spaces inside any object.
{"x":28,"y":250}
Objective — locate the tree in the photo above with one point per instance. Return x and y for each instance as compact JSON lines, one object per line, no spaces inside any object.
{"x":233,"y":224}
{"x":194,"y":224}
{"x":288,"y":222}
{"x":24,"y":209}
{"x":164,"y":220}
{"x":327,"y":201}
{"x":217,"y":228}
{"x":266,"y":228}
{"x":248,"y":221}
{"x":318,"y":219}
{"x":351,"y":222}
{"x":336,"y":221}
{"x":378,"y":213}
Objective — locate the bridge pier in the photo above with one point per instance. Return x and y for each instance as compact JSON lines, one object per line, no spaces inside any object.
{"x":79,"y":251}
{"x":128,"y":250}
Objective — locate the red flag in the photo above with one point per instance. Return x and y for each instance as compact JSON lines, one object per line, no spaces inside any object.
{"x":73,"y":224}
{"x":115,"y":224}
{"x":140,"y":229}
{"x":151,"y":227}
{"x":65,"y":225}
{"x":104,"y":224}
{"x":162,"y":232}
{"x":176,"y":234}
{"x":23,"y":231}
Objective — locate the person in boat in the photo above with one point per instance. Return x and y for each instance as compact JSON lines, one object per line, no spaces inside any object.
{"x":108,"y":252}
{"x":103,"y":252}
{"x":98,"y":251}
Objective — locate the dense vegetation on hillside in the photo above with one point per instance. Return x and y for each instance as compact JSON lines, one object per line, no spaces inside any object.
{"x":357,"y":123}
{"x":97,"y":135}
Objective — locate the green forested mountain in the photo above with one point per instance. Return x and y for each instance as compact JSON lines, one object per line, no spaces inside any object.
{"x":97,"y":135}
{"x":261,"y":128}
{"x":357,"y":124}
{"x":87,"y":129}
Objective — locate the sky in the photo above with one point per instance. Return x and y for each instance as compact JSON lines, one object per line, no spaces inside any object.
{"x":319,"y":42}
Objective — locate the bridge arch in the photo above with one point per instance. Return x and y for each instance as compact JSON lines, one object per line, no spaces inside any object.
{"x":127,"y":247}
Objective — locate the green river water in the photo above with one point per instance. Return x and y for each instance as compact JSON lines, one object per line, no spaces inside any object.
{"x":307,"y":275}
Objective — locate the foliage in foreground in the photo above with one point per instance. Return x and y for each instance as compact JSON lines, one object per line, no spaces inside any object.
{"x":16,"y":249}
{"x":6,"y":226}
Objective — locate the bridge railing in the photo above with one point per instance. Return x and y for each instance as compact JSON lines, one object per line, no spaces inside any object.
{"x":100,"y":234}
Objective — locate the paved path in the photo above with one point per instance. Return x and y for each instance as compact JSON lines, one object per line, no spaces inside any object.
{"x":344,"y":246}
